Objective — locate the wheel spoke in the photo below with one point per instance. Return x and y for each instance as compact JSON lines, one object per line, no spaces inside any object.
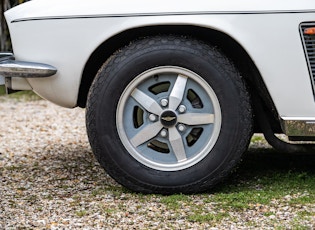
{"x":146,"y":134}
{"x":177,"y":144}
{"x":196,"y":118}
{"x":178,"y":91}
{"x":146,"y":102}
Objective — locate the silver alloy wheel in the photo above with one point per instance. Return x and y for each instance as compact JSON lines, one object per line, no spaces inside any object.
{"x":168,"y":118}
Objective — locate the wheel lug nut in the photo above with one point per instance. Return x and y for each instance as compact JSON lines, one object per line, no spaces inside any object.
{"x":181,"y":127}
{"x":152,"y":117}
{"x":182,"y":109}
{"x":164,"y":102}
{"x":163,"y":133}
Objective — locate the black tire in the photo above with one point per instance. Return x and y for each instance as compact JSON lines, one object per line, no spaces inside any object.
{"x":110,"y":102}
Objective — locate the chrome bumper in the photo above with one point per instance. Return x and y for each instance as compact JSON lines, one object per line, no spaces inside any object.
{"x":9,"y":67}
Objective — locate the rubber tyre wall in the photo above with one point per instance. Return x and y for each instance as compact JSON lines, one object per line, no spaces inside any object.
{"x":196,"y":56}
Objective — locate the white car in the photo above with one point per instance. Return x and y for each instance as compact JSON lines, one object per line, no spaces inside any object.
{"x":173,"y":90}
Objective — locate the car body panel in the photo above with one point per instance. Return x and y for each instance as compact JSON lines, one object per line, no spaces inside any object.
{"x":38,"y":9}
{"x":71,"y":30}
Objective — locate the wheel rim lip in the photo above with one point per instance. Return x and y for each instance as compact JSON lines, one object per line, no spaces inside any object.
{"x":179,"y":165}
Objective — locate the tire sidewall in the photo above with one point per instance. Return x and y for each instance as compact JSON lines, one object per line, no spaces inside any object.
{"x":122,"y":69}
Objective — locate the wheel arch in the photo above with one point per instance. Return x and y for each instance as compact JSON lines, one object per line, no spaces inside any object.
{"x":232,"y":49}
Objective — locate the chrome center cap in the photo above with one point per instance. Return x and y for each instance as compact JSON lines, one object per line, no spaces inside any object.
{"x":168,"y":118}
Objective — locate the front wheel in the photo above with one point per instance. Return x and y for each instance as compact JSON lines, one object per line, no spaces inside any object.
{"x":168,"y":114}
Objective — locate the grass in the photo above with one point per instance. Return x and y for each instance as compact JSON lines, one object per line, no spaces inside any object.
{"x":81,"y":213}
{"x":264,"y":181}
{"x":175,"y":201}
{"x":2,"y":90}
{"x":18,"y":96}
{"x":203,"y":217}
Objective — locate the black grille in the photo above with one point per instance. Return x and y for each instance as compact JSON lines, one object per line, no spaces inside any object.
{"x":309,"y":46}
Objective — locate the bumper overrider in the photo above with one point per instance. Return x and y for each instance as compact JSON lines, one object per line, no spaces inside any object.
{"x":10,"y":68}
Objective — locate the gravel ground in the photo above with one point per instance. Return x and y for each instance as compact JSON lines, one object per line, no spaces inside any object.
{"x":49,"y":179}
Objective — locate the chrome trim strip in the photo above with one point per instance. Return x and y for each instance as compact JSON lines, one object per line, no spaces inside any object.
{"x":306,"y":11}
{"x":11,"y":68}
{"x":6,"y":55}
{"x":298,"y":128}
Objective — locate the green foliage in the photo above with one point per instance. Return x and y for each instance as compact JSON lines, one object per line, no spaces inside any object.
{"x":265,"y":181}
{"x":2,"y":90}
{"x":81,"y":213}
{"x":21,"y":96}
{"x":207,"y":217}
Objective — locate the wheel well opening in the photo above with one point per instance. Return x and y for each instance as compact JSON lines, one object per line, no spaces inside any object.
{"x":232,"y":49}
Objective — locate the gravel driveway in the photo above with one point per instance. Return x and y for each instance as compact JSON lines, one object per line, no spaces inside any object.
{"x":49,"y":179}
